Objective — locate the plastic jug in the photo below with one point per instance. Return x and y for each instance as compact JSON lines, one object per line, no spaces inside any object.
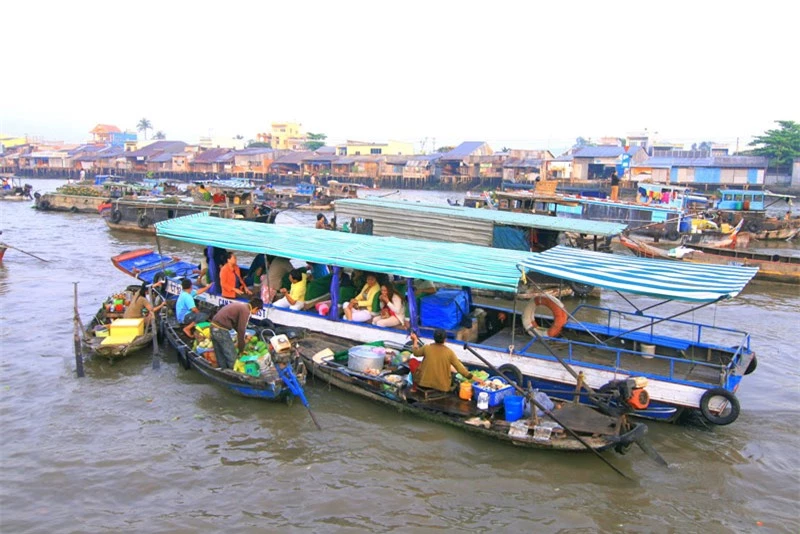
{"x":465,"y":391}
{"x":483,"y":401}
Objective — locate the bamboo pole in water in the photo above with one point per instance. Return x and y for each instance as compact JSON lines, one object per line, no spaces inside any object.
{"x":77,"y":333}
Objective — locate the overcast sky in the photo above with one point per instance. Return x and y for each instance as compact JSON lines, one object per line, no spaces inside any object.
{"x":518,"y":74}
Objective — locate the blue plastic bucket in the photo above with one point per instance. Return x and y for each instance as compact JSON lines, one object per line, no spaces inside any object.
{"x":685,"y":225}
{"x":513,"y":405}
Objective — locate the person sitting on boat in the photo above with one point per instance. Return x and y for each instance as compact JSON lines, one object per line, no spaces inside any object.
{"x":234,"y":316}
{"x":186,"y":309}
{"x":423,"y":287}
{"x":359,"y":309}
{"x":392,"y":308}
{"x":434,"y":371}
{"x":294,"y":298}
{"x":230,"y":278}
{"x":139,"y":303}
{"x":322,"y":222}
{"x":271,"y":282}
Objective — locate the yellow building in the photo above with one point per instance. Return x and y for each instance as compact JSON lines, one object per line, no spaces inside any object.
{"x":287,"y":135}
{"x":10,"y":141}
{"x":360,"y":148}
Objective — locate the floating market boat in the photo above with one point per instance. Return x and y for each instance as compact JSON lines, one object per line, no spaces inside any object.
{"x":87,"y":196}
{"x":111,"y":336}
{"x":273,"y":373}
{"x":750,"y":207}
{"x":13,"y":189}
{"x":139,"y":215}
{"x":771,"y":267}
{"x":692,"y":366}
{"x":660,"y":211}
{"x":362,"y":370}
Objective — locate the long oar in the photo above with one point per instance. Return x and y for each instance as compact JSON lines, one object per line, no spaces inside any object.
{"x":595,"y":398}
{"x":294,"y":386}
{"x":153,"y":319}
{"x":28,"y":253}
{"x":546,"y":411}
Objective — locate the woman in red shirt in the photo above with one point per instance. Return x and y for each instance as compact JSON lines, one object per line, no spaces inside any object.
{"x":230,"y":278}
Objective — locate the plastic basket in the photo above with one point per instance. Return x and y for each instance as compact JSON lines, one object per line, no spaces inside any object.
{"x":495,"y":396}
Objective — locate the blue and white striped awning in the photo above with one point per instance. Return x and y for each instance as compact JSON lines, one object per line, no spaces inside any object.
{"x":656,"y":278}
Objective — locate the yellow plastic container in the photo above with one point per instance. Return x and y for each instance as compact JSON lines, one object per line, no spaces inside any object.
{"x":118,"y":340}
{"x":127,"y":328}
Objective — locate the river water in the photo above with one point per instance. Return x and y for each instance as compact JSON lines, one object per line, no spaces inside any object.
{"x":131,"y":449}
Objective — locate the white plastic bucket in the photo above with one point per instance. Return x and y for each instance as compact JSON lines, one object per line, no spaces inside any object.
{"x":647,"y":350}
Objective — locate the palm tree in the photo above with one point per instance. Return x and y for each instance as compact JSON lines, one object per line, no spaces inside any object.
{"x":159,"y":135}
{"x":145,"y":125}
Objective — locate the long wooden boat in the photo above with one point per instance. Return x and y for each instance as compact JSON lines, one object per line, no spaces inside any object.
{"x":87,"y":196}
{"x":691,"y":365}
{"x":273,"y":383}
{"x":771,"y":267}
{"x":98,"y":337}
{"x":141,"y":214}
{"x":16,"y":192}
{"x":749,"y":206}
{"x":326,"y":357}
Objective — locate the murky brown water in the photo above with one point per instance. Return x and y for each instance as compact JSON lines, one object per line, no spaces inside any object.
{"x":131,"y":449}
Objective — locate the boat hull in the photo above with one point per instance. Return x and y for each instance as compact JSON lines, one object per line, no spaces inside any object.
{"x":70,"y":203}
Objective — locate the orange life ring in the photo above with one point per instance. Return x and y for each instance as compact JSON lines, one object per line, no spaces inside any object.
{"x":552,"y":304}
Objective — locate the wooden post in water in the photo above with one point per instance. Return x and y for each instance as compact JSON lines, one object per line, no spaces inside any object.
{"x":77,"y":333}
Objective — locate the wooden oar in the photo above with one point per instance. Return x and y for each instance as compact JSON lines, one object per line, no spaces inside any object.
{"x":153,"y":319}
{"x":20,"y":250}
{"x":546,"y":411}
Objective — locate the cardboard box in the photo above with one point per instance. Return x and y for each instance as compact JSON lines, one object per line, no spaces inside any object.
{"x":127,"y":328}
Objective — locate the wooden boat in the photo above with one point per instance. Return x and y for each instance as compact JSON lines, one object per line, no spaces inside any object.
{"x":326,"y":357}
{"x":691,"y":365}
{"x":771,"y":267}
{"x":778,"y":234}
{"x":3,"y":249}
{"x":141,"y":214}
{"x":14,"y":190}
{"x":89,"y":195}
{"x":750,"y":206}
{"x":98,"y":338}
{"x":280,"y":377}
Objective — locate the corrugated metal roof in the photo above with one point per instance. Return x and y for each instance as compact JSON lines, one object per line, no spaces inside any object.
{"x":604,"y":151}
{"x":157,"y":147}
{"x":211,"y":155}
{"x":527,"y":162}
{"x":743,"y":162}
{"x":161,"y":158}
{"x":463,"y":150}
{"x":255,"y":151}
{"x":440,"y":219}
{"x":293,"y":158}
{"x":447,"y":263}
{"x":664,"y":279}
{"x":344,"y":161}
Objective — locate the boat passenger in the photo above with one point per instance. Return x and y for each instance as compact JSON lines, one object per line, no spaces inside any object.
{"x":271,"y":282}
{"x":322,"y":222}
{"x":392,"y":308}
{"x":614,"y":186}
{"x":423,"y":287}
{"x":434,"y":371}
{"x":234,"y":316}
{"x":359,"y":309}
{"x":139,"y":303}
{"x":294,"y":298}
{"x":186,"y":310}
{"x":230,"y":278}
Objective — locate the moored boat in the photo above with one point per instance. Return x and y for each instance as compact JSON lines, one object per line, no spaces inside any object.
{"x":111,"y":336}
{"x":14,"y":190}
{"x":691,"y":365}
{"x":336,"y":362}
{"x":141,"y":214}
{"x":771,"y":267}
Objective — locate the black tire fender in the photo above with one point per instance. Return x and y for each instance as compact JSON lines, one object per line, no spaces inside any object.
{"x":719,"y":419}
{"x":511,"y":372}
{"x":290,"y":205}
{"x":44,"y":204}
{"x":752,"y":366}
{"x":74,"y":209}
{"x":116,"y":216}
{"x":753,"y":226}
{"x":144,"y":221}
{"x":579,"y":289}
{"x":673,"y":235}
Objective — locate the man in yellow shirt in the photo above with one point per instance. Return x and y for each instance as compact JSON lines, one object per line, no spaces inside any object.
{"x":295,"y":297}
{"x":434,"y":371}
